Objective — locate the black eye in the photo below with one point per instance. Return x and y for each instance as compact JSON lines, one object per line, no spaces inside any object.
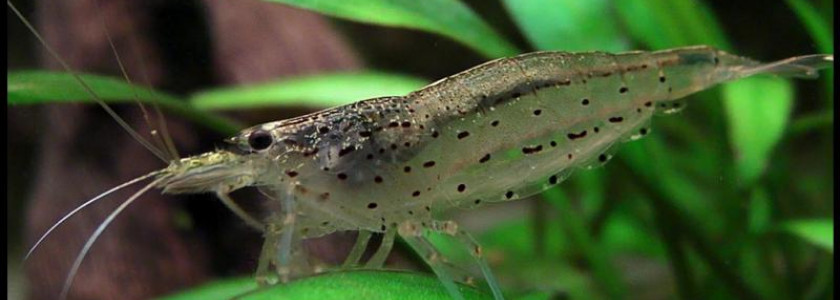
{"x":259,"y":140}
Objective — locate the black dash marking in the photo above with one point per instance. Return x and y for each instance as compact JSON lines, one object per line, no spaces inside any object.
{"x":485,"y":158}
{"x":623,"y":89}
{"x":406,"y":124}
{"x":537,"y":112}
{"x":372,"y":205}
{"x":648,"y":104}
{"x":415,"y":194}
{"x":494,"y":123}
{"x":393,"y":124}
{"x":429,"y":164}
{"x":364,"y":133}
{"x":377,"y":179}
{"x":291,"y":173}
{"x":462,"y":135}
{"x":346,"y":150}
{"x":342,"y":176}
{"x":532,"y":150}
{"x":616,"y":119}
{"x":477,"y":201}
{"x":573,"y":136}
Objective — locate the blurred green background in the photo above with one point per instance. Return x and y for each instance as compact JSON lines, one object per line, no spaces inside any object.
{"x":730,"y":199}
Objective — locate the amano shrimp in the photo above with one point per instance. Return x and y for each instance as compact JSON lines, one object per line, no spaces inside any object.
{"x":501,"y":131}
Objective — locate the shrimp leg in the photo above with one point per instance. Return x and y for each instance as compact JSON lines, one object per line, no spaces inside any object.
{"x":236,"y":209}
{"x":412,"y":233}
{"x":358,"y":249}
{"x":286,"y":236}
{"x":272,"y":236}
{"x":451,"y":228}
{"x":381,"y":254}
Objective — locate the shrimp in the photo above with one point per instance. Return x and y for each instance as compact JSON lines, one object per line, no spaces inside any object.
{"x":501,"y":131}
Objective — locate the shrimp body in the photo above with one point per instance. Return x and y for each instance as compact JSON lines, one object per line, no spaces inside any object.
{"x":503,"y":130}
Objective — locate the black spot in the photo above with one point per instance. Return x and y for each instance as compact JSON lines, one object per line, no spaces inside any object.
{"x":462,"y":135}
{"x":553,"y":144}
{"x":323,"y":130}
{"x":662,"y":78}
{"x":393,"y":124}
{"x":346,"y":150}
{"x":596,"y":129}
{"x":393,"y":146}
{"x":364,"y":133}
{"x":602,"y":157}
{"x":537,"y":112}
{"x":407,"y":169}
{"x":532,"y":150}
{"x":623,"y":89}
{"x":553,"y":179}
{"x":407,"y":144}
{"x":372,"y":205}
{"x":485,"y":158}
{"x":291,"y":173}
{"x":643,"y":131}
{"x":260,"y":139}
{"x":494,"y":123}
{"x":569,"y":156}
{"x":509,"y":194}
{"x":428,"y":208}
{"x":383,"y":228}
{"x":406,"y":124}
{"x":717,"y":60}
{"x":648,"y":104}
{"x":584,"y":101}
{"x":516,"y":95}
{"x":377,"y":179}
{"x":462,"y":187}
{"x":573,"y":136}
{"x":435,"y":134}
{"x":369,"y":156}
{"x":616,"y":119}
{"x":429,"y":164}
{"x":415,"y":193}
{"x":342,"y":176}
{"x":675,"y":105}
{"x":477,"y":201}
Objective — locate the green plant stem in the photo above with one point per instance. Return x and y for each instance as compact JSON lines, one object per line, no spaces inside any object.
{"x":676,"y":252}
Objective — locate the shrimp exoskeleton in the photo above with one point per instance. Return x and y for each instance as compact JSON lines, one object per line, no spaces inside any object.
{"x":504,"y":130}
{"x":385,"y":165}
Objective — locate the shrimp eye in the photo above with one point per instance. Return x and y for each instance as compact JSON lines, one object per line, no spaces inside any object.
{"x":259,"y":140}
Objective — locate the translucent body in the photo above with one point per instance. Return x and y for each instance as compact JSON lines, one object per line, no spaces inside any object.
{"x":504,"y":130}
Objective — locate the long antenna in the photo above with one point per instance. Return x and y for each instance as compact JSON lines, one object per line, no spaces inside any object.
{"x":157,"y":152}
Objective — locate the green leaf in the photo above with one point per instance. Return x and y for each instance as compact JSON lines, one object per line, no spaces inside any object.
{"x":42,"y":87}
{"x":819,"y":232}
{"x":568,"y":25}
{"x":661,"y":24}
{"x":817,"y":27}
{"x":322,"y":90}
{"x":449,"y":18}
{"x":758,"y":110}
{"x":357,"y":284}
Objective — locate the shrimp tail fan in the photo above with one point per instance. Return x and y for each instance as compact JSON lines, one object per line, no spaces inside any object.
{"x":805,"y":66}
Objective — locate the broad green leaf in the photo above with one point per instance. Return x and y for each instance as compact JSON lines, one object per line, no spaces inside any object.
{"x":41,"y":87}
{"x":449,"y":18}
{"x":322,"y":90}
{"x":357,"y":284}
{"x":661,"y":24}
{"x":569,"y":25}
{"x":758,"y":110}
{"x":819,"y":232}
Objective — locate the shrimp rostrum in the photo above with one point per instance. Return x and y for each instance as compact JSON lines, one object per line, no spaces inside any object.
{"x":504,"y":130}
